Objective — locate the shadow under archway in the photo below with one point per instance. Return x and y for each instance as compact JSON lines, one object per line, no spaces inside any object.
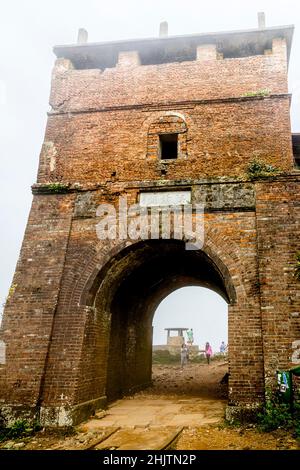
{"x":127,"y":292}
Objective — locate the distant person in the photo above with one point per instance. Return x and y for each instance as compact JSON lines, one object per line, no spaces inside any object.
{"x":190,"y":336}
{"x":223,"y":348}
{"x":184,"y":353}
{"x":208,"y":352}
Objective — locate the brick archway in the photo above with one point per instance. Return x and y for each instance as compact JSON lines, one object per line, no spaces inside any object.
{"x":56,"y":327}
{"x":128,"y":292}
{"x":108,"y":300}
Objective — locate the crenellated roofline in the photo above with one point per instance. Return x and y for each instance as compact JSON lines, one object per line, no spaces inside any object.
{"x":240,"y":43}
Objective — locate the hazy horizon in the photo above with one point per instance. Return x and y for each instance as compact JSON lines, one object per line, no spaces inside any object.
{"x":28,"y":32}
{"x":193,"y":307}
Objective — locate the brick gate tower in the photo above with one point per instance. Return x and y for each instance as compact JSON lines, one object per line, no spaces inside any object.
{"x":201,"y":118}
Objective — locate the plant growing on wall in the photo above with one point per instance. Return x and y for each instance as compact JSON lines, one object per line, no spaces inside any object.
{"x":263,"y":92}
{"x":277,"y":414}
{"x":56,"y":187}
{"x":10,"y":293}
{"x":260,"y":169}
{"x":297,"y":267}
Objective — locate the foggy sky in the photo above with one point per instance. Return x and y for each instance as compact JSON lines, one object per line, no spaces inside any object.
{"x":28,"y":31}
{"x":193,"y":307}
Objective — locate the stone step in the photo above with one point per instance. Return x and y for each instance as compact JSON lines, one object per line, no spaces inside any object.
{"x":86,"y":441}
{"x":139,"y":438}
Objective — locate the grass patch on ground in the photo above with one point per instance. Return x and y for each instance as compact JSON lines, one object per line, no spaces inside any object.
{"x":279,"y":415}
{"x":164,"y":357}
{"x":19,"y":430}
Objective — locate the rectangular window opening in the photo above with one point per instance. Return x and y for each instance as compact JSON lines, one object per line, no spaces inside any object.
{"x":168,"y":146}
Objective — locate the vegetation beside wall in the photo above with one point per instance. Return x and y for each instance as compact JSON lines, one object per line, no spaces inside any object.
{"x":297,"y":267}
{"x":18,"y":430}
{"x":164,"y":357}
{"x":280,"y":415}
{"x":260,"y":169}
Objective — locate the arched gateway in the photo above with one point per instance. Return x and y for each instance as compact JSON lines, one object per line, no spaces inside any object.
{"x":136,"y":120}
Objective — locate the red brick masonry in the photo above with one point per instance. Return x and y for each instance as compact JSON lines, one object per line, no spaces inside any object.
{"x":77,"y":322}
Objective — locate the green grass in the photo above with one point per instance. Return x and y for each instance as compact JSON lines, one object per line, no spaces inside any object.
{"x":164,"y":357}
{"x":279,"y":415}
{"x":19,"y":429}
{"x":56,"y":187}
{"x":263,"y":92}
{"x":260,"y":169}
{"x":297,"y":267}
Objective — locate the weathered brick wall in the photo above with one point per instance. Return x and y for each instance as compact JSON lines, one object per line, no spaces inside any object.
{"x":75,"y":90}
{"x":101,"y":123}
{"x":81,"y":353}
{"x":222,"y":139}
{"x":278,"y":234}
{"x":30,"y":309}
{"x":70,"y":340}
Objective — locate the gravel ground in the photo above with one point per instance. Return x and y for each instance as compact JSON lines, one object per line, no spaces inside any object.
{"x":195,"y":380}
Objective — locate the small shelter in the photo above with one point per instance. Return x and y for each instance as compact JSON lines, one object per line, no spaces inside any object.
{"x":175,"y":340}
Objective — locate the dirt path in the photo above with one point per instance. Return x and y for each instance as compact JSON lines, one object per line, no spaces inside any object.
{"x":199,"y":380}
{"x":185,"y":407}
{"x":220,"y":437}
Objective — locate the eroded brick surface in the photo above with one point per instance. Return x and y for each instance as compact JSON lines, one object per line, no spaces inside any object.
{"x":77,"y":324}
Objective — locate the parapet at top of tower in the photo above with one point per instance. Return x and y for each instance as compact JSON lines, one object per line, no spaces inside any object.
{"x":165,"y":48}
